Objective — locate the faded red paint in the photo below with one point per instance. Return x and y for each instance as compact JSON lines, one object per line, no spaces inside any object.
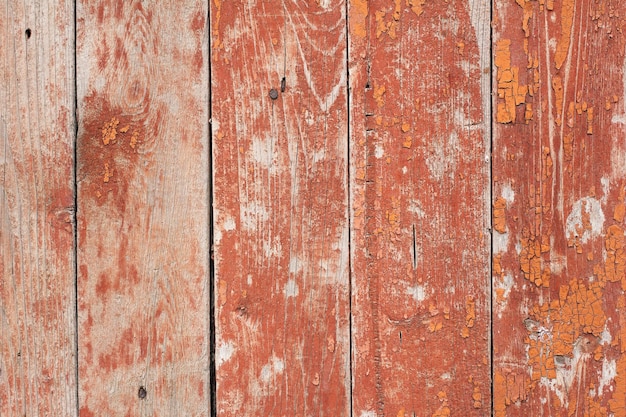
{"x":280,"y":198}
{"x":420,"y":303}
{"x":557,"y":331}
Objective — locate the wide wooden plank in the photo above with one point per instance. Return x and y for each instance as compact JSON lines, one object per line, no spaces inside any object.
{"x":419,"y":78}
{"x":280,"y":200}
{"x":143,"y":245}
{"x":559,"y":184}
{"x":37,"y":298}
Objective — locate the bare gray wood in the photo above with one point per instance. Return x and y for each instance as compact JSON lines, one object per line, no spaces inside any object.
{"x":143,"y":242}
{"x":37,"y":303}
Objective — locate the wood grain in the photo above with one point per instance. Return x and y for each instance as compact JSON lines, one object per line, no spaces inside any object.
{"x":37,"y":302}
{"x":559,"y":186}
{"x":143,"y":279}
{"x":281,"y":207}
{"x":419,"y":77}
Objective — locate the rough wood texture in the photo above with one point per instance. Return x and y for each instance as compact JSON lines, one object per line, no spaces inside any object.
{"x":281,"y":217}
{"x":419,"y":77}
{"x":143,"y":279}
{"x":37,"y":317}
{"x":559,"y":186}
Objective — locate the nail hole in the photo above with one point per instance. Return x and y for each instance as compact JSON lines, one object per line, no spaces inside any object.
{"x":142,"y":392}
{"x":28,"y":33}
{"x":273,"y":94}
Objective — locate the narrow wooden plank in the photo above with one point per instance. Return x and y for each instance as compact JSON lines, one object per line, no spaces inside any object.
{"x":559,"y":176}
{"x":420,"y":181}
{"x":281,"y":220}
{"x":37,"y":302}
{"x":143,"y":208}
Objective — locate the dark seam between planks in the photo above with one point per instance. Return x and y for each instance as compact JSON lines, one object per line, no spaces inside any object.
{"x":75,"y":211}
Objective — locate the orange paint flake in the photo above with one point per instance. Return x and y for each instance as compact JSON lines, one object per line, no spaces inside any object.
{"x":617,"y":404}
{"x":107,"y":173}
{"x":109,"y":131}
{"x":530,"y":258}
{"x":379,"y":91}
{"x":615,"y":265}
{"x":557,"y":326}
{"x":499,"y":215}
{"x":444,"y":409}
{"x":528,"y":14}
{"x":499,"y":395}
{"x":408,"y":141}
{"x":510,"y":92}
{"x":358,"y":14}
{"x":416,"y":6}
{"x":562,"y":46}
{"x":133,"y":139}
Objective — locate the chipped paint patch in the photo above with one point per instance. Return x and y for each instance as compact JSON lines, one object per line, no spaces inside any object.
{"x":291,"y":289}
{"x":418,"y":292}
{"x":223,"y":353}
{"x":271,"y":369}
{"x":585,"y":221}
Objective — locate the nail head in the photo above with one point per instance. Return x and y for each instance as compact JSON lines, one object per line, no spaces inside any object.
{"x":273,"y":94}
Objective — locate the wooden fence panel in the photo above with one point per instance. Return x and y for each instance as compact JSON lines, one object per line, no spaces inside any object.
{"x":419,"y":79}
{"x":37,"y":303}
{"x":559,"y":185}
{"x":279,"y":127}
{"x":143,"y":239}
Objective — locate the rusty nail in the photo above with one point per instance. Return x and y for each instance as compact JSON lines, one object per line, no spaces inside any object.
{"x":273,"y":94}
{"x":142,"y":392}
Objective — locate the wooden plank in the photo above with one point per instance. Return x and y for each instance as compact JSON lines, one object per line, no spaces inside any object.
{"x":37,"y":302}
{"x":419,"y":118}
{"x":281,"y":219}
{"x":559,"y":178}
{"x":143,"y":279}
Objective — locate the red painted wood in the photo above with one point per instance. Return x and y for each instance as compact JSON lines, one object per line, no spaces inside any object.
{"x":280,"y":201}
{"x":143,"y":278}
{"x":37,"y":318}
{"x":559,"y":181}
{"x":420,"y":185}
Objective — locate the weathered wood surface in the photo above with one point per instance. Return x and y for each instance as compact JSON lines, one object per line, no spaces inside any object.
{"x":143,"y":244}
{"x":281,"y":208}
{"x":37,"y":306}
{"x":559,"y":178}
{"x":419,"y":78}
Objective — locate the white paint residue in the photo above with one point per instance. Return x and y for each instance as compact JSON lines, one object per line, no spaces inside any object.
{"x":295,"y":265}
{"x":379,"y":151}
{"x":618,"y":153}
{"x":229,"y":224}
{"x":609,"y":372}
{"x":500,"y":242}
{"x":269,"y":370}
{"x":605,"y":183}
{"x":291,"y":289}
{"x":506,"y":284}
{"x":570,"y":372}
{"x":415,"y":208}
{"x":263,"y":152}
{"x":418,"y":292}
{"x":574,"y":223}
{"x":223,"y":353}
{"x":507,"y":193}
{"x":442,"y":158}
{"x":252,"y":215}
{"x":368,"y":414}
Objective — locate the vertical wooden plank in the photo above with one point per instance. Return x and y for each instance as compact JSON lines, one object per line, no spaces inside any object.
{"x":143,"y":208}
{"x":37,"y":302}
{"x":420,"y":181}
{"x":281,"y":221}
{"x":559,"y":177}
